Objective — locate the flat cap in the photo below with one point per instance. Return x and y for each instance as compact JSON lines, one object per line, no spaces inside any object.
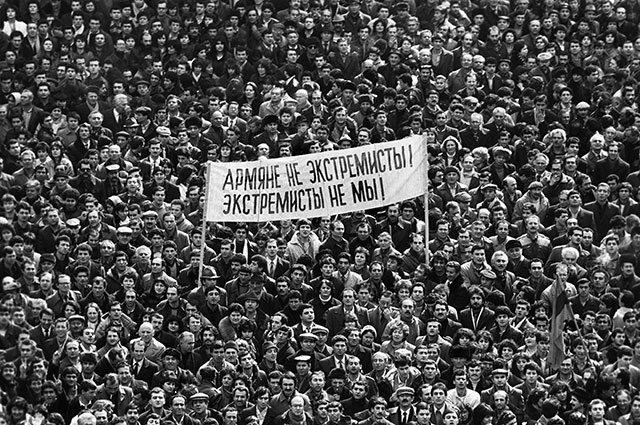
{"x":499,"y":150}
{"x":268,"y":345}
{"x":349,"y":85}
{"x":337,"y":373}
{"x":583,"y":105}
{"x":462,"y":197}
{"x":319,"y":329}
{"x":131,"y":122}
{"x":47,"y":258}
{"x":489,"y":274}
{"x":405,"y":390}
{"x":365,"y":98}
{"x":77,"y":317}
{"x":308,"y":335}
{"x":171,"y":352}
{"x":451,"y":169}
{"x":145,"y":110}
{"x":301,"y":119}
{"x":313,"y":41}
{"x":209,"y":273}
{"x":163,"y":131}
{"x":270,"y":119}
{"x":544,"y":56}
{"x":513,"y":243}
{"x":73,"y":222}
{"x":248,"y":296}
{"x":535,"y":185}
{"x":503,"y":310}
{"x":199,"y":396}
{"x":193,"y":122}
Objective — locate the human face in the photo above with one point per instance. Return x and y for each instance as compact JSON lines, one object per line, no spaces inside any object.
{"x":597,"y":411}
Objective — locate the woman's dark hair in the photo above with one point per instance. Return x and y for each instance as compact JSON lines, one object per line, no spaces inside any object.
{"x":235,"y":307}
{"x":175,"y":319}
{"x":247,"y":325}
{"x":186,"y":172}
{"x":463,"y":332}
{"x":73,"y":304}
{"x":479,"y":413}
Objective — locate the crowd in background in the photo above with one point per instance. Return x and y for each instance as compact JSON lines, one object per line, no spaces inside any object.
{"x":117,"y":307}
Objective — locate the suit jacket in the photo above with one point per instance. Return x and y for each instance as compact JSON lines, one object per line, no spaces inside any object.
{"x":549,"y":117}
{"x":36,"y":118}
{"x":329,"y":363}
{"x":445,"y":66}
{"x":122,"y":403}
{"x":240,"y":123}
{"x":350,"y":65}
{"x":602,"y":217}
{"x":486,"y":320}
{"x":37,"y":335}
{"x":472,"y":140}
{"x":437,"y":419}
{"x":281,"y":267}
{"x":171,"y":191}
{"x":334,"y":318}
{"x":110,"y":121}
{"x":146,"y":372}
{"x":376,"y":318}
{"x":445,"y":192}
{"x":325,"y":50}
{"x":526,"y":389}
{"x":400,"y":233}
{"x":50,"y":346}
{"x":585,"y":218}
{"x":309,"y":113}
{"x":496,"y":83}
{"x":149,"y":133}
{"x":252,"y":248}
{"x":154,"y":350}
{"x":55,"y":303}
{"x":77,"y":151}
{"x":273,"y":53}
{"x":84,"y":110}
{"x":251,"y":411}
{"x":395,"y":419}
{"x":495,"y":177}
{"x":606,"y":166}
{"x":516,"y":402}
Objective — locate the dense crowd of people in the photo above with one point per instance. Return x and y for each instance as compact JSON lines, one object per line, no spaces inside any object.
{"x":120,"y":305}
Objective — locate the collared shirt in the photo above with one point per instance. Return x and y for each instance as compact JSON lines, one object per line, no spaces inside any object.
{"x":261,"y":415}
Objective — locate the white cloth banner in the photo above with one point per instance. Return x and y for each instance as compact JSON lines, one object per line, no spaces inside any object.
{"x":327,"y":183}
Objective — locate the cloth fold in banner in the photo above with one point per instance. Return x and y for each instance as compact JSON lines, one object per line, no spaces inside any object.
{"x":326,"y":183}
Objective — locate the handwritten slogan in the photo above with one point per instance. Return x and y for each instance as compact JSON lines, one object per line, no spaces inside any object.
{"x":308,"y":186}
